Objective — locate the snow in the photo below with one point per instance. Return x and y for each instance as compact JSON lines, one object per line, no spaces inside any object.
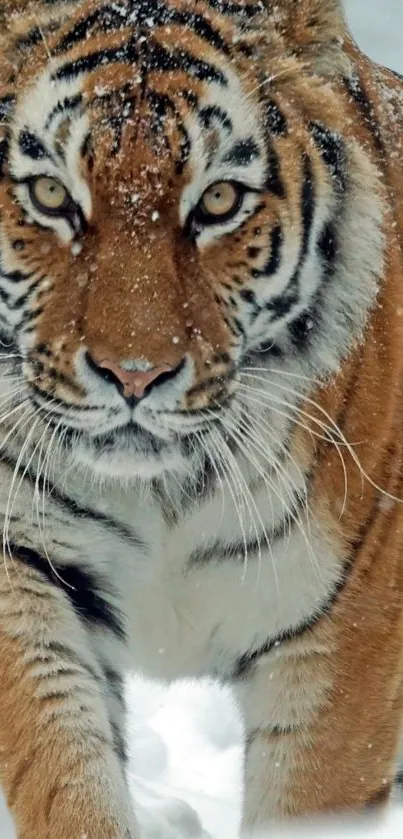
{"x":186,"y":757}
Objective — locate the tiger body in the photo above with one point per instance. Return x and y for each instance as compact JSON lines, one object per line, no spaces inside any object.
{"x":242,"y":519}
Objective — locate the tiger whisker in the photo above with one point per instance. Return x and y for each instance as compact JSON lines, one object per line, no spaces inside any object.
{"x":257,"y":443}
{"x":37,"y":495}
{"x":27,"y":417}
{"x":237,"y":500}
{"x":273,"y":491}
{"x":204,"y":445}
{"x":233,"y":432}
{"x":329,"y":435}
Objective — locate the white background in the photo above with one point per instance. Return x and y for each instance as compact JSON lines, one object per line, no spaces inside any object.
{"x":186,"y":742}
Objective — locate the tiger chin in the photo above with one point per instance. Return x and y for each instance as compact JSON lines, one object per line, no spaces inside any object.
{"x":201,"y":306}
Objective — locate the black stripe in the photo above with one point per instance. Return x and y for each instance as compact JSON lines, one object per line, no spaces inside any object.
{"x":329,"y":248}
{"x":118,"y":119}
{"x":246,"y":662}
{"x":30,"y":145}
{"x":237,"y":328}
{"x":6,"y":104}
{"x":77,"y":510}
{"x":213,"y":113}
{"x":271,"y":731}
{"x":242,"y":153}
{"x":274,"y":121}
{"x":274,"y":182}
{"x":110,"y":19}
{"x":30,"y":316}
{"x":245,"y":225}
{"x":3,"y":155}
{"x":273,"y":263}
{"x":281,"y":306}
{"x":119,"y":742}
{"x":88,"y":513}
{"x":126,"y":54}
{"x":4,"y":296}
{"x":307,"y":208}
{"x":84,"y":590}
{"x":304,"y":328}
{"x":55,"y":656}
{"x":69,"y":103}
{"x":162,"y":104}
{"x":194,"y":22}
{"x":58,"y":405}
{"x":113,"y":18}
{"x":248,"y":296}
{"x":243,"y":10}
{"x":159,"y":58}
{"x":221,"y":552}
{"x":206,"y":384}
{"x":156,"y":58}
{"x":20,"y":302}
{"x":333,"y":151}
{"x":356,"y":91}
{"x":115,"y":683}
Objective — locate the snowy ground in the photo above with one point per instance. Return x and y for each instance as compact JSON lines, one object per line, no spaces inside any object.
{"x":187,"y":741}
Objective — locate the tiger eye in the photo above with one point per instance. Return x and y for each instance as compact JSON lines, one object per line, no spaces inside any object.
{"x":49,"y":196}
{"x":220,"y":199}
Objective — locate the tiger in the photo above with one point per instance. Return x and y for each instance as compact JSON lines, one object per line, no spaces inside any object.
{"x":201,"y":452}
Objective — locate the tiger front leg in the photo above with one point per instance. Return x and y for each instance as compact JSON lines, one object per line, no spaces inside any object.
{"x":322,"y":726}
{"x":60,"y":767}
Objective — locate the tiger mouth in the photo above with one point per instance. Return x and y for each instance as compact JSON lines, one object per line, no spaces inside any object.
{"x":130,"y":437}
{"x":127,"y":437}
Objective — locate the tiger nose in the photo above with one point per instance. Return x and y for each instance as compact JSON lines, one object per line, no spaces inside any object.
{"x":131,"y":383}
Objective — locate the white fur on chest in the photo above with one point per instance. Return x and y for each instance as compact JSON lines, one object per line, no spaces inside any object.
{"x":199,"y":621}
{"x":196,"y":618}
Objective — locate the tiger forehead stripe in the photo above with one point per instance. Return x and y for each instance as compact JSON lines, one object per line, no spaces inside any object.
{"x":142,"y":13}
{"x":156,"y":57}
{"x":146,"y":18}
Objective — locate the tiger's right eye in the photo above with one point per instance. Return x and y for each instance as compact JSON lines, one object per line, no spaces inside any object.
{"x":220,"y":202}
{"x":49,"y":196}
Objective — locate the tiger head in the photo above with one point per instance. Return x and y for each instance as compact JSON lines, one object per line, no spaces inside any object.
{"x":181,"y":200}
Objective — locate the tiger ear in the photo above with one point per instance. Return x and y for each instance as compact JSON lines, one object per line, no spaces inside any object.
{"x":312,"y":30}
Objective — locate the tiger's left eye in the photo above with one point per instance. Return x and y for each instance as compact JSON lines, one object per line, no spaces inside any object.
{"x":220,"y":201}
{"x":49,"y":196}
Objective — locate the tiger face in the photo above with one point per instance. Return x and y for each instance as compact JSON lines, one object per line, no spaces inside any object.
{"x":174,"y":212}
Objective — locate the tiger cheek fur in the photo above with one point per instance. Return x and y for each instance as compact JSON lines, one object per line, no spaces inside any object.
{"x":200,"y":315}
